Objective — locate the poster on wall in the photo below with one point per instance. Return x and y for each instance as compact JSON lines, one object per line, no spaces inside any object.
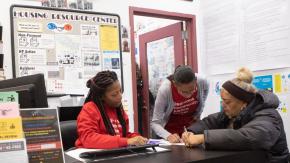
{"x":264,"y":82}
{"x":255,"y":34}
{"x":67,"y":46}
{"x":42,"y":134}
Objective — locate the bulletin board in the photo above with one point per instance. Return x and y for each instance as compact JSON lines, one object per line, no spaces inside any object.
{"x":67,"y":46}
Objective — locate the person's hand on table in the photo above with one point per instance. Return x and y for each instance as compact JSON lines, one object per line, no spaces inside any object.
{"x":191,"y":140}
{"x":174,"y":138}
{"x":137,"y":140}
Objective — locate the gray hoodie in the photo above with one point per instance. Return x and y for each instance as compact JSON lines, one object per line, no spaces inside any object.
{"x":164,"y":105}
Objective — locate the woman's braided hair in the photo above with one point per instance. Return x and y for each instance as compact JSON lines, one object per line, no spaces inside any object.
{"x":98,"y":86}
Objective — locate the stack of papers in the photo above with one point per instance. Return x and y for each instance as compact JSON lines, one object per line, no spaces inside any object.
{"x":162,"y":142}
{"x":12,"y":142}
{"x":75,"y":153}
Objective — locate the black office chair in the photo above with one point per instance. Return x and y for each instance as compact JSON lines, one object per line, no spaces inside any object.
{"x":68,"y":133}
{"x":69,"y":112}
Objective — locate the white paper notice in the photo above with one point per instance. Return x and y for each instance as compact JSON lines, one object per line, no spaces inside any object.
{"x":76,"y":152}
{"x":221,"y":22}
{"x":90,"y":36}
{"x":68,"y":50}
{"x":13,"y":151}
{"x":25,"y":70}
{"x":29,"y":27}
{"x":35,"y":40}
{"x":32,"y":56}
{"x":267,"y":34}
{"x":78,"y":84}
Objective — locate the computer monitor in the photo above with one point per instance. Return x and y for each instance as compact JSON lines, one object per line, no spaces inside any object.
{"x":31,"y":90}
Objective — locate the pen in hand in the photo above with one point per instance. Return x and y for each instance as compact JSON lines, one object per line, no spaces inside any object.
{"x":186,"y":136}
{"x":185,"y":130}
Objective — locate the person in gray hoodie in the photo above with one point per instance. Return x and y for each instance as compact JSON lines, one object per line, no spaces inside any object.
{"x":179,"y":102}
{"x":249,"y":121}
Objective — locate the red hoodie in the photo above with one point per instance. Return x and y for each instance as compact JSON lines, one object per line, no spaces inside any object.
{"x":92,"y":131}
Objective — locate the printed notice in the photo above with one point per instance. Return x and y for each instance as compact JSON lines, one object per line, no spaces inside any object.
{"x":109,"y":38}
{"x":29,"y":27}
{"x":32,"y":56}
{"x":12,"y":151}
{"x":8,"y":97}
{"x":10,"y":128}
{"x":42,"y":134}
{"x":278,"y":83}
{"x":9,"y":110}
{"x":264,"y":82}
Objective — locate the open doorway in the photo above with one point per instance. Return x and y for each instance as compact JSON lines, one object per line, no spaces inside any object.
{"x":158,"y":49}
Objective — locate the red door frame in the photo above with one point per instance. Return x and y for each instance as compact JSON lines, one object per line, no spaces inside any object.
{"x":167,"y":31}
{"x":191,"y":44}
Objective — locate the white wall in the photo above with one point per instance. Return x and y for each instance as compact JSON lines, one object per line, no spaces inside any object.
{"x":5,"y":22}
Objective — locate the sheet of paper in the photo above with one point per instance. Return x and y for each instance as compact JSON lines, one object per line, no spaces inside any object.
{"x":278,"y":83}
{"x":109,"y":38}
{"x":162,"y":142}
{"x":222,"y":32}
{"x":76,"y":152}
{"x":11,"y":128}
{"x":15,"y":149}
{"x":9,"y":110}
{"x":42,"y":135}
{"x":8,"y":97}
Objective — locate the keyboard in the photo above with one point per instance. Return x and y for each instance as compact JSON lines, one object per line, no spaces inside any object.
{"x":117,"y":151}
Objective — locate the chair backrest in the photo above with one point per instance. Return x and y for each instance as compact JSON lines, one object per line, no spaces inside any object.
{"x":68,"y":133}
{"x":69,"y":112}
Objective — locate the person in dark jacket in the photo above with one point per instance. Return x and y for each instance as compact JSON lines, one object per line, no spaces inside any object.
{"x":249,"y":121}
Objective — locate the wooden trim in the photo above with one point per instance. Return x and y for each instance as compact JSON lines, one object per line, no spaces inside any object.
{"x":192,"y":45}
{"x":159,"y":13}
{"x":173,"y":30}
{"x":133,"y":64}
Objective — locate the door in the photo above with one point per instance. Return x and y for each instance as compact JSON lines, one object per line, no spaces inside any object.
{"x":161,"y":51}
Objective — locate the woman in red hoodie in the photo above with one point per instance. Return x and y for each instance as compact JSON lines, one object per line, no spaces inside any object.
{"x":103,"y":123}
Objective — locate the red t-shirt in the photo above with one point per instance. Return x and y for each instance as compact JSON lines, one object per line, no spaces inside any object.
{"x":182,"y":114}
{"x":93,"y":133}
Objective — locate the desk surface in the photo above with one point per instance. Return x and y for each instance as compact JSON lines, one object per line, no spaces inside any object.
{"x":181,"y":154}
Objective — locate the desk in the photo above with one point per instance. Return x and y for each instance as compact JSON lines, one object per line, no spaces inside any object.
{"x":181,"y":154}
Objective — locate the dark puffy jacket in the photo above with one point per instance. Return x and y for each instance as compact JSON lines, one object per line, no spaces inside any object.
{"x":258,"y":127}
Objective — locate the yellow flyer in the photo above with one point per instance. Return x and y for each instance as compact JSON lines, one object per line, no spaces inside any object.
{"x":109,"y":38}
{"x":278,"y":83}
{"x":11,"y":128}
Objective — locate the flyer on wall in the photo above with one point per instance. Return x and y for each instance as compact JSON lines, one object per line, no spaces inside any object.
{"x":42,"y":134}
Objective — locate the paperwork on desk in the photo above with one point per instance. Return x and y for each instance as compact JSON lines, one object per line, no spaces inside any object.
{"x":162,"y":142}
{"x":76,"y":152}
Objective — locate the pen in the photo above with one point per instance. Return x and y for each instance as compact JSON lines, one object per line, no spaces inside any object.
{"x":186,"y":134}
{"x":185,"y":130}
